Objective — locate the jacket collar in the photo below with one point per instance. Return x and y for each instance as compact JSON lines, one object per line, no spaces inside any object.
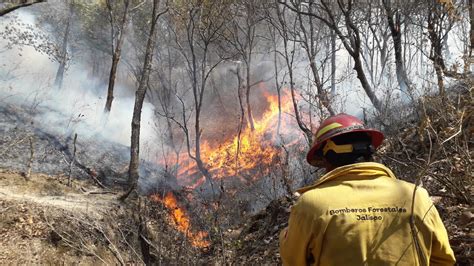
{"x":362,"y":170}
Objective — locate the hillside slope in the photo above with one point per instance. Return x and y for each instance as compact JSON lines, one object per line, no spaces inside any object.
{"x":44,"y":221}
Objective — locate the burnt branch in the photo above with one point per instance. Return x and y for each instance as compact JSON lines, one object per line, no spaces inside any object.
{"x":7,"y":10}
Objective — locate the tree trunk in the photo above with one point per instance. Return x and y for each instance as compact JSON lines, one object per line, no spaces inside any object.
{"x":351,"y":42}
{"x":356,"y":44}
{"x":110,"y":89}
{"x":277,"y":85}
{"x":471,"y":17}
{"x":289,"y":64}
{"x":353,"y":45}
{"x":139,"y":98}
{"x":202,"y":167}
{"x":116,"y":59}
{"x":58,"y":82}
{"x":365,"y":84}
{"x":435,"y":24}
{"x":395,"y":30}
{"x":247,"y":94}
{"x":197,"y":126}
{"x":333,"y":64}
{"x":308,"y":45}
{"x":241,"y":116}
{"x":322,"y":94}
{"x":439,"y":78}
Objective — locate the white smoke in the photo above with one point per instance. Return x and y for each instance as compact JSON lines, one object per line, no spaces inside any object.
{"x":27,"y":77}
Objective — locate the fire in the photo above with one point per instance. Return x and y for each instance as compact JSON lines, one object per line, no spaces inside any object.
{"x":181,"y":221}
{"x":248,"y":157}
{"x":255,"y":150}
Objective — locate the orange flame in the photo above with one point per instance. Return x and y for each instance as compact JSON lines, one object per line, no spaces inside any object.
{"x":253,"y":153}
{"x":181,"y":221}
{"x":253,"y":150}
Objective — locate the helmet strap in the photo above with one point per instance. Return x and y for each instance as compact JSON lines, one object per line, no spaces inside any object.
{"x":330,"y":145}
{"x":358,"y":147}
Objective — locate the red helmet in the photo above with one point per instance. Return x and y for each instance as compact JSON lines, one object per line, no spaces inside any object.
{"x":338,"y":125}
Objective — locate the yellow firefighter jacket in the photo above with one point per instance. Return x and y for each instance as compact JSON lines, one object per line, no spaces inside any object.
{"x":359,"y":214}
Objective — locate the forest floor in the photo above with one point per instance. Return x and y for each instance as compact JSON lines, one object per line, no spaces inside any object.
{"x":36,"y":215}
{"x":45,"y":221}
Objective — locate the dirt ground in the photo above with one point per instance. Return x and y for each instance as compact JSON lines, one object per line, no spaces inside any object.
{"x":38,"y":216}
{"x":45,"y":221}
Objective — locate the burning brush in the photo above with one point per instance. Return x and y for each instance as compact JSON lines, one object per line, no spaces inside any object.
{"x":250,"y":151}
{"x":180,"y":220}
{"x":247,"y":156}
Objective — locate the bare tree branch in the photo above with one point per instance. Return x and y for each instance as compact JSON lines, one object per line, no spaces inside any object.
{"x":17,"y":6}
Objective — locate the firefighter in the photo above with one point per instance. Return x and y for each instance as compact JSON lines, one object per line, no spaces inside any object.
{"x":359,"y":213}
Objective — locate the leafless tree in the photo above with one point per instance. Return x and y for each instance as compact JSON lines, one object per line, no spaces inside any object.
{"x":197,"y":29}
{"x":471,"y":19}
{"x":310,"y":35}
{"x":117,"y":29}
{"x":333,"y":64}
{"x":436,"y":32}
{"x":139,"y":99}
{"x":163,"y":92}
{"x":289,"y":47}
{"x":325,"y":11}
{"x":274,"y":33}
{"x":375,"y":44}
{"x":63,"y":53}
{"x":441,"y":18}
{"x":243,"y":32}
{"x":395,"y":25}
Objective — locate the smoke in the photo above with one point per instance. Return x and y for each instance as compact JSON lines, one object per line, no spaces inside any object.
{"x":27,"y":78}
